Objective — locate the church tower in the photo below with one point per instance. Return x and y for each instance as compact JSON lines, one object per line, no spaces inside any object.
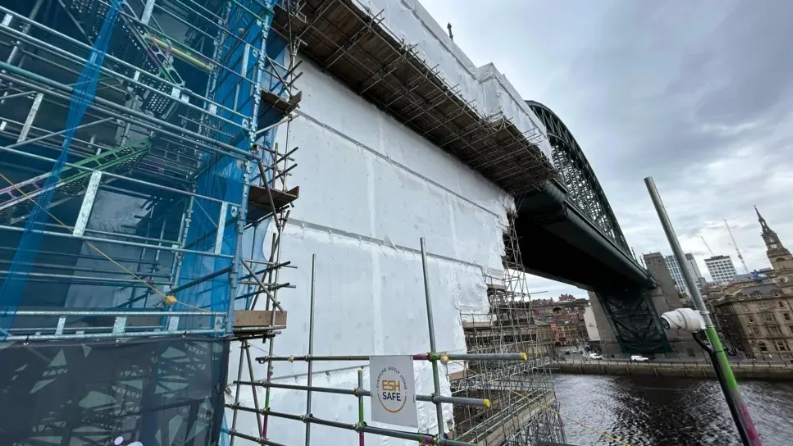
{"x":778,"y":255}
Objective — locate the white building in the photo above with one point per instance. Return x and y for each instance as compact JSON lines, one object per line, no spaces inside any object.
{"x":591,"y":325}
{"x":721,"y":269}
{"x":677,"y":274}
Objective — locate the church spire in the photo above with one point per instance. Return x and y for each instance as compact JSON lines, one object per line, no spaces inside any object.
{"x":763,"y":224}
{"x":778,"y":255}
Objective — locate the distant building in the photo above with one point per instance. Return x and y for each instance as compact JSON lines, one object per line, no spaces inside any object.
{"x":677,"y":273}
{"x":566,"y":317}
{"x":721,"y":269}
{"x":755,"y":314}
{"x":591,"y":325}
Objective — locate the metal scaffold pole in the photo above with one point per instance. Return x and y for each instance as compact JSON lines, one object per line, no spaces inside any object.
{"x":361,"y":427}
{"x":740,"y":412}
{"x":433,"y":356}
{"x":141,"y":154}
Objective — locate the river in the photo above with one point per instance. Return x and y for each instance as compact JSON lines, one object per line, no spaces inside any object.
{"x":668,"y":411}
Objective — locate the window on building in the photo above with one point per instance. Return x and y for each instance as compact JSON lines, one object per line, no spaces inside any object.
{"x":763,"y":305}
{"x":768,"y":317}
{"x":756,"y":294}
{"x":774,"y":330}
{"x":750,"y":331}
{"x":750,"y":318}
{"x":781,"y":346}
{"x":786,"y":316}
{"x":781,"y":304}
{"x":762,"y":347}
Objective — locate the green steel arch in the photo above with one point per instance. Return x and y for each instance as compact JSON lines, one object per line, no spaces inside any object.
{"x":628,"y":305}
{"x":583,"y":187}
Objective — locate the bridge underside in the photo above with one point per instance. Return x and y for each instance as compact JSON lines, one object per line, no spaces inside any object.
{"x":558,"y":243}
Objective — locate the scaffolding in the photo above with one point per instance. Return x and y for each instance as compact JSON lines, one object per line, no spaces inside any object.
{"x":137,"y":162}
{"x":351,"y":42}
{"x":139,"y":170}
{"x":503,"y":397}
{"x":524,"y":409}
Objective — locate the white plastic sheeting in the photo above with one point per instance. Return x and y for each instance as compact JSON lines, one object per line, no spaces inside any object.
{"x":370,"y":188}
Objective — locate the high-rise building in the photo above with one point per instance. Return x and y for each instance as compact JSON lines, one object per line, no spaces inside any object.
{"x":677,"y":274}
{"x":721,"y":269}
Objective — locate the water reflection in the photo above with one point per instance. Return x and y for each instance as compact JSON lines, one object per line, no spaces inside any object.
{"x":669,"y":411}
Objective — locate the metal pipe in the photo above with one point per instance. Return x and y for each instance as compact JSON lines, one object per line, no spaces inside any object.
{"x":82,"y":256}
{"x":412,"y":436}
{"x":743,"y":421}
{"x":265,"y":270}
{"x":236,"y":259}
{"x":361,"y":421}
{"x":67,"y":277}
{"x":146,"y":122}
{"x":474,"y":357}
{"x":359,"y":392}
{"x":253,"y":439}
{"x":209,"y":276}
{"x":418,"y":357}
{"x":310,"y":378}
{"x":104,"y":173}
{"x":264,"y":288}
{"x":126,"y":334}
{"x":25,"y":30}
{"x":247,"y":348}
{"x":722,"y":382}
{"x":114,"y":242}
{"x":125,"y":313}
{"x":433,"y":348}
{"x":52,"y":49}
{"x":237,"y":398}
{"x":83,"y":268}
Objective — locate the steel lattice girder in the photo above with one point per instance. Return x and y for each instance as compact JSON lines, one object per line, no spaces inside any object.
{"x":578,"y":177}
{"x":633,"y":318}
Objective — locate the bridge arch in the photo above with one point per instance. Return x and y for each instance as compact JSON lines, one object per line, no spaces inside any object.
{"x":569,"y":233}
{"x":577,"y":176}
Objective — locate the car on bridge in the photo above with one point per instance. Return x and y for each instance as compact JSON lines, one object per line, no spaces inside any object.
{"x":595,"y":356}
{"x":639,"y":358}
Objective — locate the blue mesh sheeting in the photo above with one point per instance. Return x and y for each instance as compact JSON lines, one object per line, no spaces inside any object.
{"x":83,"y":94}
{"x":222,"y":178}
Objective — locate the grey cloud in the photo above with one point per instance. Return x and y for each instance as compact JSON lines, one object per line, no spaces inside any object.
{"x":696,"y":94}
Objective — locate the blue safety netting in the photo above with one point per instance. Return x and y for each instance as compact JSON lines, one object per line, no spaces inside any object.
{"x":275,"y":48}
{"x":83,"y":94}
{"x":223,"y":178}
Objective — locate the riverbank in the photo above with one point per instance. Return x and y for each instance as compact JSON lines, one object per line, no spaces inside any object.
{"x":742,"y":370}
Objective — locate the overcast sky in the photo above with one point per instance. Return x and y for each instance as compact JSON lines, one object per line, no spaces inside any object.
{"x":696,"y":94}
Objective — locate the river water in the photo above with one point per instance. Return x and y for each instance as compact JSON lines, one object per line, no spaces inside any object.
{"x":668,"y":411}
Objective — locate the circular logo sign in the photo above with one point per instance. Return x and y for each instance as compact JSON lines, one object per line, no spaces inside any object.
{"x":392,"y":389}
